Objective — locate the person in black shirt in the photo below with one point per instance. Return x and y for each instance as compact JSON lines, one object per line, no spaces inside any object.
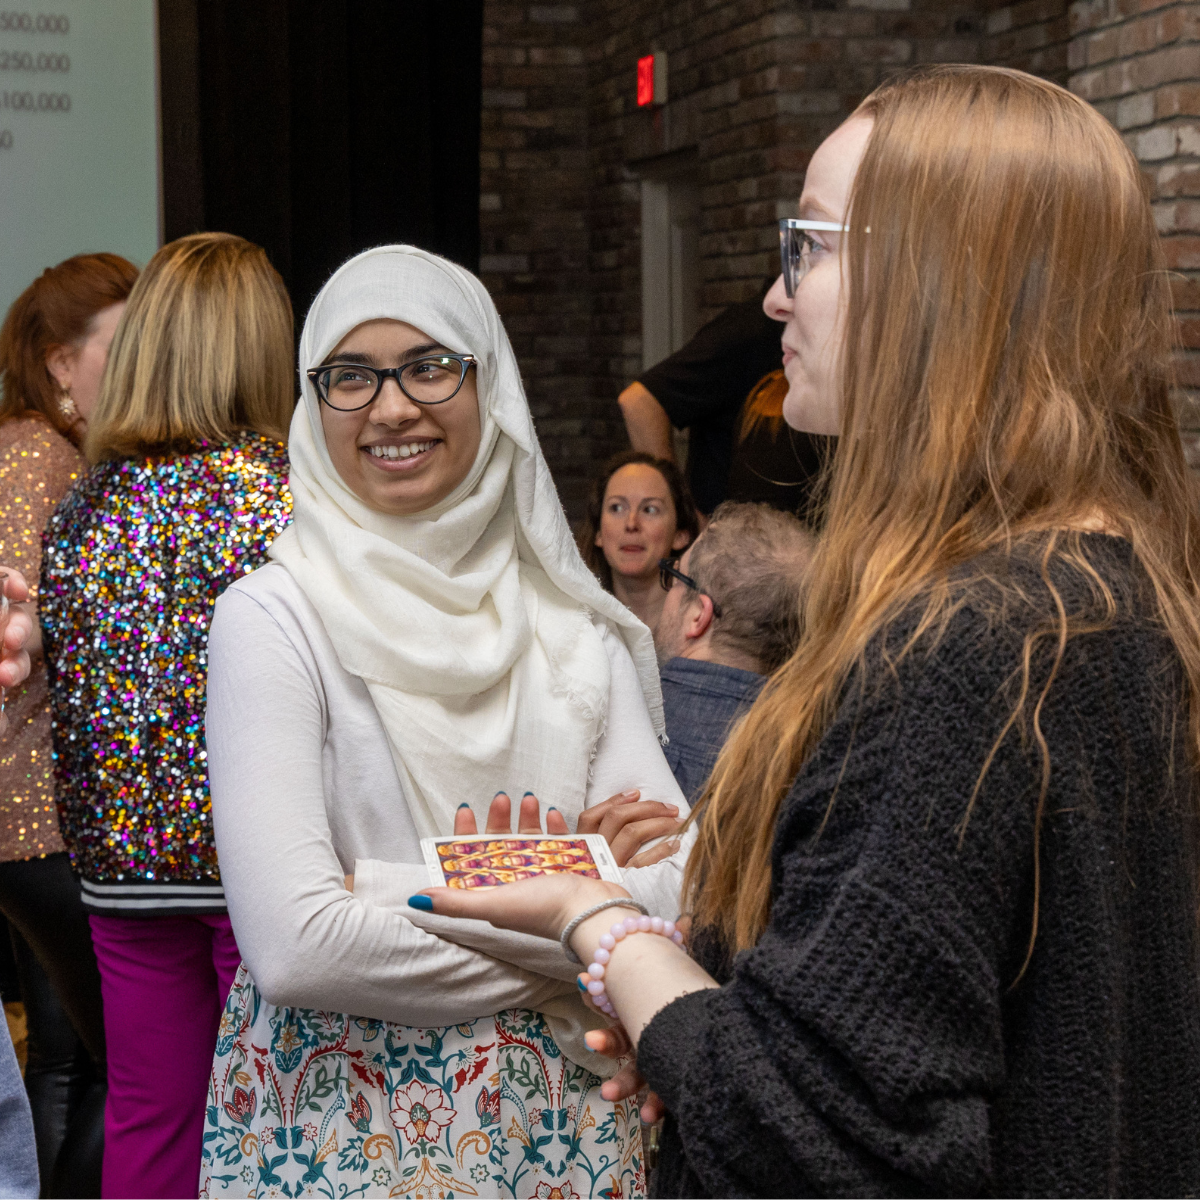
{"x":726,"y":388}
{"x":772,"y":462}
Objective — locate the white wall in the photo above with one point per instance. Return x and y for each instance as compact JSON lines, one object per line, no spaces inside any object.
{"x":670,"y":264}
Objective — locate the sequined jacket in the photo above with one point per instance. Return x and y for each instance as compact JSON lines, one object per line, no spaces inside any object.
{"x":134,"y":560}
{"x":38,"y":466}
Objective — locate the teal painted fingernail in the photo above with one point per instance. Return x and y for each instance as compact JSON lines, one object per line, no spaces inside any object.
{"x":551,"y":808}
{"x":527,"y":794}
{"x":464,"y":804}
{"x":582,"y":987}
{"x":499,"y":794}
{"x":424,"y":903}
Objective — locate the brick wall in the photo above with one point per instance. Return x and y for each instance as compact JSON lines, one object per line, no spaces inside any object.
{"x":1032,"y":36}
{"x":751,"y":95}
{"x":1138,"y":61}
{"x":534,"y":187}
{"x":754,"y":87}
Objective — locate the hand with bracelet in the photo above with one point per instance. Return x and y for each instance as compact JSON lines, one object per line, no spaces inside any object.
{"x":644,"y":971}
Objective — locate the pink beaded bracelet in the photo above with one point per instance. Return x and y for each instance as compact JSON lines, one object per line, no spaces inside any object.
{"x":593,"y":977}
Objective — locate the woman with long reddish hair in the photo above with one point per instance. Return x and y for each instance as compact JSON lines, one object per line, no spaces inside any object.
{"x":944,"y":896}
{"x":53,"y":350}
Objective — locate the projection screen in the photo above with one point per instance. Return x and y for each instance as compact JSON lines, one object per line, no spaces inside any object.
{"x":79,"y":160}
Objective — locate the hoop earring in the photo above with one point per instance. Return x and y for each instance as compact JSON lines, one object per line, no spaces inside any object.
{"x":66,"y":405}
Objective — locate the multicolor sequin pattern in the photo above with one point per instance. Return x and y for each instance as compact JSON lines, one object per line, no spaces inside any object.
{"x":134,"y":561}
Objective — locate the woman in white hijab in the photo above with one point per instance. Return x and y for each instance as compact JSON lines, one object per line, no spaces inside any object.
{"x":426,"y":635}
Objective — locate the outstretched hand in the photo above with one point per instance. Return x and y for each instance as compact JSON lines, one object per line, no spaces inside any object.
{"x":640,"y":981}
{"x":541,"y":906}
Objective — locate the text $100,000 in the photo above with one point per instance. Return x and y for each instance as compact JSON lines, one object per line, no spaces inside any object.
{"x":23,"y":22}
{"x":42,"y":102}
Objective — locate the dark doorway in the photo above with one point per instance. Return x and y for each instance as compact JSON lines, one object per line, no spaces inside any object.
{"x":317,"y":128}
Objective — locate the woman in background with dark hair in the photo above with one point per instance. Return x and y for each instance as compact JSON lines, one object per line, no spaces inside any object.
{"x":639,"y":510}
{"x":53,"y":350}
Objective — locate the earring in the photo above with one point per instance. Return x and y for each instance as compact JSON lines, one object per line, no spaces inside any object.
{"x":66,"y":405}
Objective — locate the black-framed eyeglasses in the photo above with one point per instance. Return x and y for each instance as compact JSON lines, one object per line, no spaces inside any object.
{"x":434,"y":379}
{"x":668,"y":573}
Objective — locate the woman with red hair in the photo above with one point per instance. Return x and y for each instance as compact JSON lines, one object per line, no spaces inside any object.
{"x":53,"y":350}
{"x":943,"y":896}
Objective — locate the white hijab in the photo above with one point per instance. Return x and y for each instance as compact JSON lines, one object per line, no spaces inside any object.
{"x":471,"y":622}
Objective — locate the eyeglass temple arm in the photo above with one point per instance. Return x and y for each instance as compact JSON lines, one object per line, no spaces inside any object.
{"x":820,"y":226}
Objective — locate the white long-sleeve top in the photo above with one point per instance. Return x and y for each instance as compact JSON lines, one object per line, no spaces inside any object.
{"x":304,"y":792}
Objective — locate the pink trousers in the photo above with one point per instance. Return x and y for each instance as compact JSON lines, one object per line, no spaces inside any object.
{"x":164,"y":981}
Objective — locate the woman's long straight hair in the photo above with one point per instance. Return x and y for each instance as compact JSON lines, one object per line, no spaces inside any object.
{"x":1006,"y":377}
{"x":203,"y":350}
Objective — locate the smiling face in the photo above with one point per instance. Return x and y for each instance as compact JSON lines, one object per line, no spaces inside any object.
{"x":815,"y":317}
{"x":397,"y":456}
{"x":637,"y":522}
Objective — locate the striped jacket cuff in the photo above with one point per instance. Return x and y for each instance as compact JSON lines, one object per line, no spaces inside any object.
{"x":154,"y":898}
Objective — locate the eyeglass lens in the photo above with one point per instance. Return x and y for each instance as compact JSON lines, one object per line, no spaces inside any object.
{"x":426,"y":381}
{"x":793,"y":248}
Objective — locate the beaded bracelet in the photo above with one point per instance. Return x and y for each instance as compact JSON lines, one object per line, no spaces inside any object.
{"x":621,"y":930}
{"x":575,"y":922}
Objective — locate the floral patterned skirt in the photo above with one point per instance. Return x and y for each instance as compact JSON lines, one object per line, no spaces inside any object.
{"x":306,"y":1103}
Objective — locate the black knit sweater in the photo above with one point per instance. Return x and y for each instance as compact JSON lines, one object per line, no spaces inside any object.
{"x":873,"y":1042}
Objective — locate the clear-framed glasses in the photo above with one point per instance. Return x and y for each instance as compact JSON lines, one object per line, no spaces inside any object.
{"x":668,"y":573}
{"x":348,"y":387}
{"x":796,"y":246}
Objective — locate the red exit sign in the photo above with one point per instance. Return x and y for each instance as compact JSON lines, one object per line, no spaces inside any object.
{"x":652,"y":79}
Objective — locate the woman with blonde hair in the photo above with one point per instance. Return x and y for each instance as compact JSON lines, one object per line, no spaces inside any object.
{"x":188,"y":489}
{"x":945,"y":889}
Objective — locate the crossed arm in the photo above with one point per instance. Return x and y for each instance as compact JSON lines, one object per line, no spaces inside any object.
{"x":642,"y":979}
{"x":308,"y":941}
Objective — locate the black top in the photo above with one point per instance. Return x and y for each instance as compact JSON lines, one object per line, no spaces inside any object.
{"x":703,"y":386}
{"x":701,"y":701}
{"x":778,"y":467}
{"x":873,"y":1042}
